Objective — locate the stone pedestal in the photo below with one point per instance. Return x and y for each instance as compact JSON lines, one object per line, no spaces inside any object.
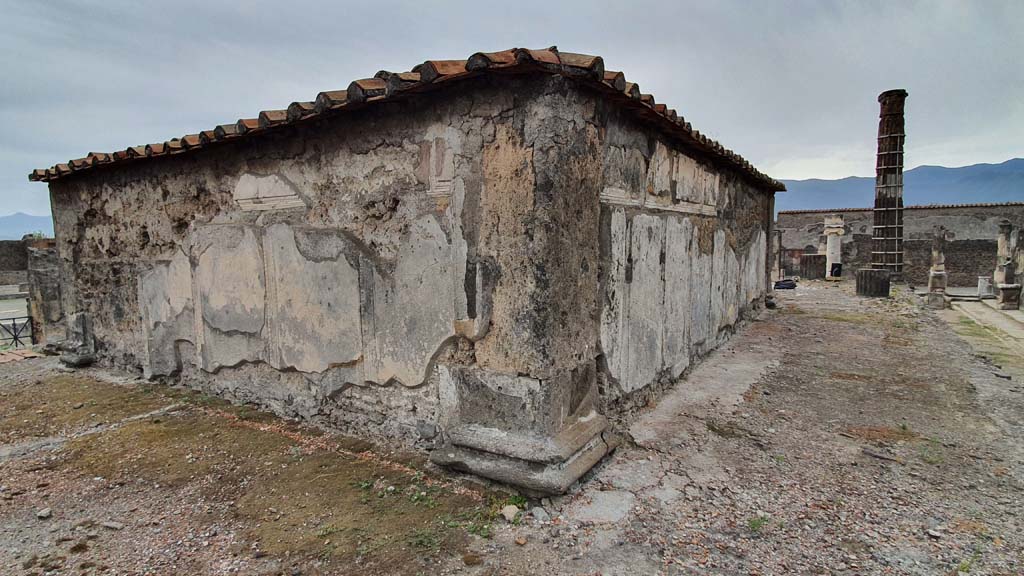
{"x":936,"y":298}
{"x":984,"y":287}
{"x":873,"y":282}
{"x":937,"y":277}
{"x":834,"y":247}
{"x":1008,"y":296}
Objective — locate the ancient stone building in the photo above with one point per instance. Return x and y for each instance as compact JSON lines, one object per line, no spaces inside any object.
{"x":970,"y":251}
{"x":488,"y":256}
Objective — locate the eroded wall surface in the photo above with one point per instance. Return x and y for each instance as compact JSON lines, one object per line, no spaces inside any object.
{"x":469,"y":264}
{"x":684,"y":249}
{"x":323,"y":270}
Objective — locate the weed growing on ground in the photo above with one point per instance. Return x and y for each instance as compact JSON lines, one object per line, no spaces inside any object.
{"x":424,"y":539}
{"x":931,"y":453}
{"x":757,"y":523}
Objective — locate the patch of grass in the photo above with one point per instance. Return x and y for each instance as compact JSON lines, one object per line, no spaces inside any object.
{"x":424,"y":539}
{"x":67,"y":403}
{"x":967,"y":327}
{"x":849,"y":317}
{"x":724,"y":429}
{"x":966,"y":564}
{"x":298,"y":501}
{"x":757,"y":523}
{"x":851,"y":376}
{"x":883,"y":433}
{"x":932,"y":453}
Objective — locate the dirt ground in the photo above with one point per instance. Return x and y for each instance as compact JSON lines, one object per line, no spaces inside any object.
{"x":834,"y":435}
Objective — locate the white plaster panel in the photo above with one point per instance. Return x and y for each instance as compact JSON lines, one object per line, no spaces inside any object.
{"x":700,"y":295}
{"x":615,"y":313}
{"x":270,"y":192}
{"x":165,"y":301}
{"x":313,"y":309}
{"x":413,"y":307}
{"x":230,"y":293}
{"x":678,"y":236}
{"x":646,"y":303}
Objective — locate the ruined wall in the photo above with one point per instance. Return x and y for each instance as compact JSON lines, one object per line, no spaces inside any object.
{"x":13,"y":262}
{"x":970,"y":253}
{"x":463,"y":263}
{"x":44,"y":289}
{"x":320,"y":270}
{"x":684,"y":257}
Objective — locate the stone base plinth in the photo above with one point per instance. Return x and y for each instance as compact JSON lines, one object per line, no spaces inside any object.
{"x":1008,"y":296}
{"x":538,"y":434}
{"x":537,"y":466}
{"x":935,"y":300}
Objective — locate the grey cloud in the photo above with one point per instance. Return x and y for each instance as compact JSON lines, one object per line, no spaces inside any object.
{"x":790,"y":85}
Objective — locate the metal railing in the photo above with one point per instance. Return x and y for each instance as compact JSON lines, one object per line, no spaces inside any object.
{"x":16,"y":332}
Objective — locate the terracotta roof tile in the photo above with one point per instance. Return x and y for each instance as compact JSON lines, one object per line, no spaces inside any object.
{"x":433,"y":70}
{"x":271,"y":117}
{"x":298,"y":110}
{"x":330,"y":100}
{"x":398,"y":81}
{"x":580,"y":67}
{"x":246,"y":125}
{"x":226,"y":131}
{"x":360,"y":90}
{"x":484,"y":60}
{"x":616,"y":80}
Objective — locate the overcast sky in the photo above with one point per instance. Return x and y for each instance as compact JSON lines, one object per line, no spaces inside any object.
{"x":791,"y":86}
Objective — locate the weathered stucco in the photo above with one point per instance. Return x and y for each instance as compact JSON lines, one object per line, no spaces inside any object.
{"x":487,"y":269}
{"x":685,"y":257}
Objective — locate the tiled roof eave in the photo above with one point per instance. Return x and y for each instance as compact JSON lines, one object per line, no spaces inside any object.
{"x":427,"y":77}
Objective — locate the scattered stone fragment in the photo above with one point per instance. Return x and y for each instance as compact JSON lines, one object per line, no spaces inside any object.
{"x":539,"y":514}
{"x":79,"y":547}
{"x":44,"y":513}
{"x":510,"y":512}
{"x":112,"y":525}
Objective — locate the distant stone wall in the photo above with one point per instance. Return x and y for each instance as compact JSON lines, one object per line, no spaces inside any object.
{"x":44,"y":291}
{"x":970,"y":253}
{"x":13,"y":262}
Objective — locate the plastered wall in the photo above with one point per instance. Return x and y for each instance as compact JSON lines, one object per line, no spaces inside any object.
{"x":434,"y":264}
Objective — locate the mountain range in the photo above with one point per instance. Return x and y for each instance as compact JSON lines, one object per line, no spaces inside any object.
{"x":14,"y":226}
{"x":922,"y":185}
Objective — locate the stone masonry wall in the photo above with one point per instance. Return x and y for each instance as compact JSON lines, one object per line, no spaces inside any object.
{"x":970,"y":253}
{"x":461,"y":261}
{"x":684,"y":254}
{"x":13,"y":262}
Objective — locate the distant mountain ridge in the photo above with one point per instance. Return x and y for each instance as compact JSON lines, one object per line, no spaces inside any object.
{"x":14,"y":226}
{"x":923,"y":185}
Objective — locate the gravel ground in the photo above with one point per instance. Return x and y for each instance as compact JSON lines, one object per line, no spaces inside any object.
{"x":834,"y":435}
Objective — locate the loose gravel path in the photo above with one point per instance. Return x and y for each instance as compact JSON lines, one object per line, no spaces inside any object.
{"x":834,"y":435}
